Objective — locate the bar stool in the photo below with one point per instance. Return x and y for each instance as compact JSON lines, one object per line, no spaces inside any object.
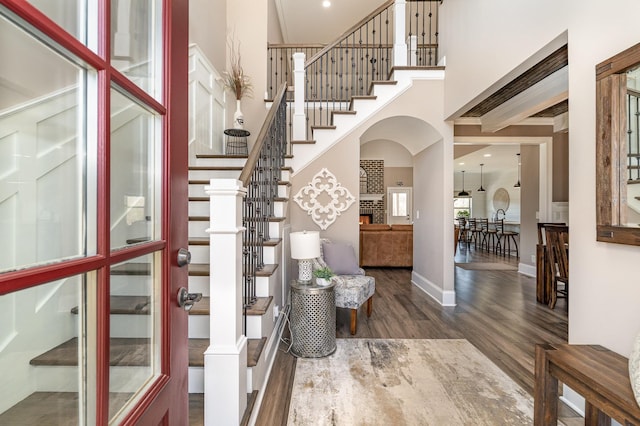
{"x":508,"y":236}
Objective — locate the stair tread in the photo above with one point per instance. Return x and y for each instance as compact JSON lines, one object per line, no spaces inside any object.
{"x":199,"y":241}
{"x":201,"y":307}
{"x":126,"y":305}
{"x":215,"y":168}
{"x":220,"y":156}
{"x":633,"y":181}
{"x":53,"y":408}
{"x":199,"y":218}
{"x":124,"y":352}
{"x":132,"y":268}
{"x":303,"y":142}
{"x":323,"y":127}
{"x":260,"y":307}
{"x":138,"y":240}
{"x":199,"y":198}
{"x":254,"y":350}
{"x":199,"y":269}
{"x":199,"y":182}
{"x":267,"y":270}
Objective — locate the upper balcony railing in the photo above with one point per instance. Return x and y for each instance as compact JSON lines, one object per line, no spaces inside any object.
{"x":397,"y":33}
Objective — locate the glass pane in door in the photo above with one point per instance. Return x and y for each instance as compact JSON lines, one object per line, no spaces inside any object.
{"x":135,"y":322}
{"x":136,"y":42}
{"x":135,"y":172}
{"x":45,"y":182}
{"x":69,"y":14}
{"x":43,"y":354}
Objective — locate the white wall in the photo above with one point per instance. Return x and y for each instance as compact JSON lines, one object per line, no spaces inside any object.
{"x":207,"y":29}
{"x":605,"y":285}
{"x":393,"y":153}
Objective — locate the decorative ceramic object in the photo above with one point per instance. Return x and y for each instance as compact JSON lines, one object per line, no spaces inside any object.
{"x":238,"y":117}
{"x":634,"y":369}
{"x":324,"y":186}
{"x":323,"y":281}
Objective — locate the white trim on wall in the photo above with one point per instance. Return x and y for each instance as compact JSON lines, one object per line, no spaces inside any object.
{"x":443,"y":297}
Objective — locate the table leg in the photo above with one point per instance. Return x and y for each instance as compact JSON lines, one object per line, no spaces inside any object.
{"x":545,"y":392}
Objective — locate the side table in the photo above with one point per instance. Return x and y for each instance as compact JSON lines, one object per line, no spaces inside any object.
{"x":313,"y":320}
{"x":236,"y":142}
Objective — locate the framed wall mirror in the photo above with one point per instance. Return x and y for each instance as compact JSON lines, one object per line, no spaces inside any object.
{"x":618,"y":148}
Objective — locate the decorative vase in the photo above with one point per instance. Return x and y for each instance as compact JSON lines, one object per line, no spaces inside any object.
{"x":634,"y":369}
{"x":323,"y":281}
{"x":238,"y":117}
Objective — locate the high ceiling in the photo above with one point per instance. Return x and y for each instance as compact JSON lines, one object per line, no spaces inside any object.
{"x":307,"y":21}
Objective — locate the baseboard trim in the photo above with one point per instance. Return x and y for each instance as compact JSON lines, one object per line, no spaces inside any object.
{"x":527,"y":270}
{"x":445,"y":298}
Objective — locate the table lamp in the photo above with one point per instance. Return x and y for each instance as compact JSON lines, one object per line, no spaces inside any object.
{"x":305,"y":246}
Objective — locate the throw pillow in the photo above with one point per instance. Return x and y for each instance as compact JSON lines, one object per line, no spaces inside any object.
{"x":341,"y":258}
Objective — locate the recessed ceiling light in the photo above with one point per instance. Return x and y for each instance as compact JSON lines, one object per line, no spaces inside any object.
{"x":326,"y":3}
{"x":487,"y":155}
{"x":461,"y":164}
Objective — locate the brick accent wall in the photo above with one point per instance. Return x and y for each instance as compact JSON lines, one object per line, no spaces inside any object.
{"x":375,"y":185}
{"x":375,"y":175}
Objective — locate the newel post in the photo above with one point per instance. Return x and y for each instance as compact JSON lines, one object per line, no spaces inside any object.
{"x":299,"y":132}
{"x":399,"y":44}
{"x":225,"y":360}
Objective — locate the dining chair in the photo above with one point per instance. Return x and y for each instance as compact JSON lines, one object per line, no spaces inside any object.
{"x":493,"y":235}
{"x":557,"y":247}
{"x":475,"y":231}
{"x":506,"y":237}
{"x":463,"y":237}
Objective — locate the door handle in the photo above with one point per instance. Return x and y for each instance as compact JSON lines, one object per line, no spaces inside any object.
{"x":184,"y":257}
{"x":186,"y":300}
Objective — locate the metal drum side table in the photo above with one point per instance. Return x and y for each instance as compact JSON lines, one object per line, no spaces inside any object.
{"x":313,"y":320}
{"x":236,"y":142}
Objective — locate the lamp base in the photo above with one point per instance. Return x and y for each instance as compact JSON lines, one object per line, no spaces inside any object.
{"x":305,"y":272}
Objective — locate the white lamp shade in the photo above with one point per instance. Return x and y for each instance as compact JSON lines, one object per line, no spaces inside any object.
{"x":305,"y":244}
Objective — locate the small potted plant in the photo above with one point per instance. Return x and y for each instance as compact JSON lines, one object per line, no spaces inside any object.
{"x":323,"y":276}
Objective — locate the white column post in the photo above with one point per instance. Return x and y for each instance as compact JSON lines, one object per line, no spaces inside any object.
{"x":299,"y":132}
{"x":412,"y":42}
{"x":225,"y":360}
{"x":399,"y":45}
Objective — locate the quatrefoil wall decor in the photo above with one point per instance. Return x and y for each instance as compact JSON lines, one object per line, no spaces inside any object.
{"x":324,"y":199}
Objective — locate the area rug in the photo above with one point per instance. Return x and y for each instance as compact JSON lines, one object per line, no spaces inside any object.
{"x":406,"y":382}
{"x":487,"y":266}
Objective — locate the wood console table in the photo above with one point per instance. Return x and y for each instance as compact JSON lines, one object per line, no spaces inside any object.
{"x":598,"y":374}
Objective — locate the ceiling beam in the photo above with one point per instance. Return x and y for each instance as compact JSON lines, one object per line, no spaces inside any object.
{"x":548,"y":92}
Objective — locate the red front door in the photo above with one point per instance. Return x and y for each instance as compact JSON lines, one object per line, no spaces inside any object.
{"x":93,"y":211}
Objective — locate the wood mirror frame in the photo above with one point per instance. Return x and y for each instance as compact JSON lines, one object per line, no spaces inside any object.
{"x":611,"y":140}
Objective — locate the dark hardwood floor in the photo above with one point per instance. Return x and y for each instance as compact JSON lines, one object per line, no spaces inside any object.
{"x":496,"y":311}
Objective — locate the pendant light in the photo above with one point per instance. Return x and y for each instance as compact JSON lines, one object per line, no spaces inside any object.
{"x":463,"y":193}
{"x":481,"y":188}
{"x":517,"y":185}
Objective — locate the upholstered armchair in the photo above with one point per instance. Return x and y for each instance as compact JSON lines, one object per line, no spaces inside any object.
{"x":352,"y":287}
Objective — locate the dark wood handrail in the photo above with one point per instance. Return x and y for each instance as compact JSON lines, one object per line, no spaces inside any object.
{"x":247,"y":171}
{"x":295,"y":45}
{"x":349,"y":32}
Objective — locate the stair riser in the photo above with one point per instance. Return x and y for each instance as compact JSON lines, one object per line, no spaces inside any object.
{"x":130,"y":325}
{"x":274,"y":229}
{"x":197,"y":190}
{"x":198,"y":326}
{"x":279,"y":208}
{"x":285,"y":175}
{"x":272,"y":254}
{"x":122,"y":285}
{"x":198,"y":228}
{"x":269,"y":286}
{"x":219,"y":162}
{"x":65,"y":378}
{"x":199,"y":285}
{"x":283,"y":191}
{"x":212,"y":174}
{"x":199,"y":208}
{"x":196,"y":380}
{"x":199,"y":254}
{"x":260,"y":325}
